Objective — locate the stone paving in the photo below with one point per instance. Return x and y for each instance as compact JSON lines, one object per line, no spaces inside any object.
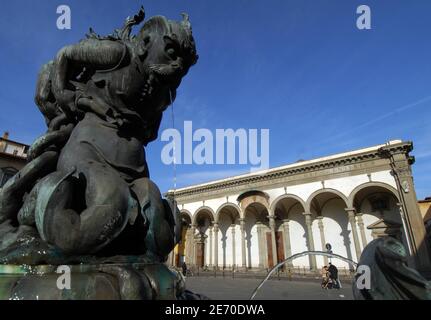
{"x":241,"y":289}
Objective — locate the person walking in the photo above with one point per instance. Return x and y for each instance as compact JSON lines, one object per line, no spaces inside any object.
{"x":184,"y":268}
{"x":333,"y":275}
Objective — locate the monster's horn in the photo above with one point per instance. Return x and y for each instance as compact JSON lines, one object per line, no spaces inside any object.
{"x":186,"y":22}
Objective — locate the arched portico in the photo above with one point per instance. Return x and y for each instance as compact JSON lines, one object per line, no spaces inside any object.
{"x":230,"y":207}
{"x":332,"y":222}
{"x":251,"y":197}
{"x":186,"y":216}
{"x":204,"y":211}
{"x":290,"y":224}
{"x":356,"y":197}
{"x":344,"y":200}
{"x":228,"y":218}
{"x":256,"y":226}
{"x":320,"y":197}
{"x":5,"y":174}
{"x":182,"y":251}
{"x":202,"y":226}
{"x":377,"y":207}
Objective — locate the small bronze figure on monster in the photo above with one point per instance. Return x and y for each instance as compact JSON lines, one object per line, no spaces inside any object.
{"x":86,"y":189}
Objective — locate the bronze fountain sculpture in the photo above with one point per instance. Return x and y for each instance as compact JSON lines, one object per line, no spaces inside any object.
{"x":85,"y":196}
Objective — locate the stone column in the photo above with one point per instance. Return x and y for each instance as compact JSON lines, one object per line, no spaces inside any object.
{"x":308,"y":223}
{"x":352,"y":221}
{"x":192,"y":245}
{"x":322,"y":237}
{"x":233,"y":246}
{"x":261,"y":238}
{"x":211,"y":246}
{"x":274,"y":243}
{"x":186,"y":246}
{"x":361,"y":229}
{"x":243,"y":248}
{"x":288,"y":247}
{"x":215,"y":229}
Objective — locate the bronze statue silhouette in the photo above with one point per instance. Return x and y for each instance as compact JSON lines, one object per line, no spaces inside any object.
{"x":86,"y":188}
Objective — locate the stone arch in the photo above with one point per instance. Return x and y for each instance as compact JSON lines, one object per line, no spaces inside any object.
{"x":6,"y":173}
{"x":253,"y":196}
{"x":277,"y":201}
{"x":203,"y":209}
{"x":225,"y":205}
{"x":255,"y":219}
{"x":322,"y":191}
{"x":332,"y":226}
{"x":202,"y":221}
{"x":353,"y":194}
{"x":182,"y":250}
{"x":257,"y":209}
{"x":229,"y":244}
{"x":187,"y":213}
{"x":376,"y":205}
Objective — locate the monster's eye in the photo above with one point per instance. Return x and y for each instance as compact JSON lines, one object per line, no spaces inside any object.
{"x":172,"y":53}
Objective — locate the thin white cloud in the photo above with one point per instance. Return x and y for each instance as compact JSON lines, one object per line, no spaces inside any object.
{"x":424,"y":154}
{"x":380,"y":118}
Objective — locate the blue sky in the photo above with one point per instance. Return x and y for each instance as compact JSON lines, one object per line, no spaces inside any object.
{"x":300,"y":68}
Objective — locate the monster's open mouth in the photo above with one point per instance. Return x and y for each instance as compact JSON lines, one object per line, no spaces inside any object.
{"x":166,"y":74}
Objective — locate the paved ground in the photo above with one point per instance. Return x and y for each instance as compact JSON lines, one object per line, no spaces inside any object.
{"x":241,"y":289}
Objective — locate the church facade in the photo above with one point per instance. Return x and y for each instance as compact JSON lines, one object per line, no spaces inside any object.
{"x":256,"y":220}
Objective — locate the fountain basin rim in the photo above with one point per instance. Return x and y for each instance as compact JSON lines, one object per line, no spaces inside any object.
{"x":10,"y":269}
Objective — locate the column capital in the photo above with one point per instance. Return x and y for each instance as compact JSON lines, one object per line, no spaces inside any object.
{"x":351,"y":212}
{"x":320,"y":222}
{"x":286,"y":221}
{"x":271,"y":222}
{"x":308,"y":219}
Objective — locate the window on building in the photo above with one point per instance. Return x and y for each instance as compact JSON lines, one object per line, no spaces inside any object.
{"x":6,"y":174}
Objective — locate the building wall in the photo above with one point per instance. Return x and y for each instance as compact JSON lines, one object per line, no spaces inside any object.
{"x":345,"y":200}
{"x":336,"y":225}
{"x":425,"y":208}
{"x":10,"y":162}
{"x":12,"y":157}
